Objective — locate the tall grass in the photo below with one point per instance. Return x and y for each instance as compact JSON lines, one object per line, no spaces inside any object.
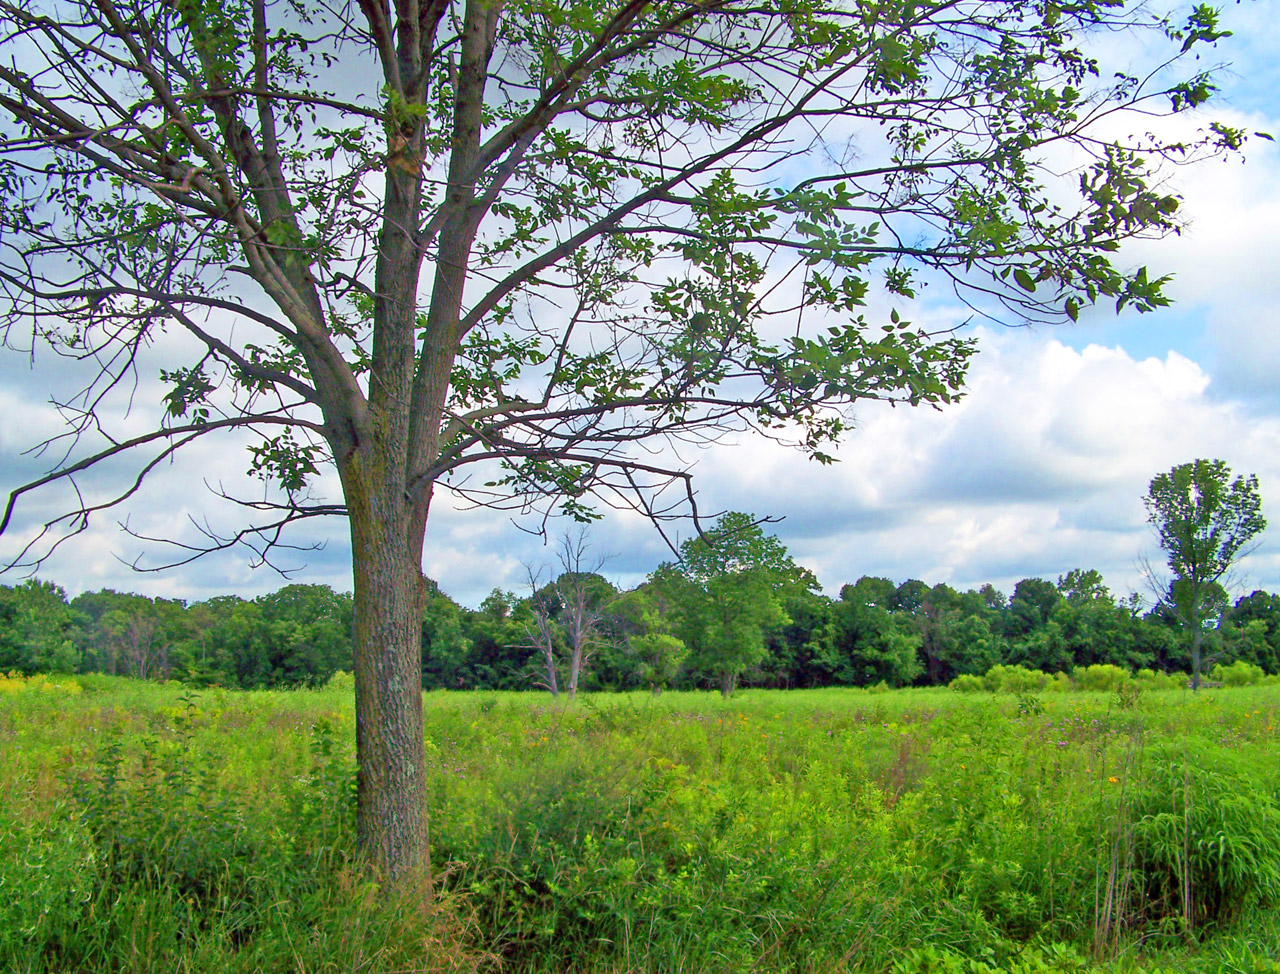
{"x":152,"y":829}
{"x":147,"y":828}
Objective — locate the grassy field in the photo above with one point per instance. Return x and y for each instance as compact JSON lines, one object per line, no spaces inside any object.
{"x":148,"y":828}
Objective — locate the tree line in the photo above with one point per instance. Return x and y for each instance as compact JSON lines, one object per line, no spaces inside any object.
{"x":734,"y":610}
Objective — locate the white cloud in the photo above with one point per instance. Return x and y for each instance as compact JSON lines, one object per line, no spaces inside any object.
{"x":1041,"y":469}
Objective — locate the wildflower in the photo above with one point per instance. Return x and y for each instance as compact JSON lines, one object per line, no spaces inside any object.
{"x":1114,"y":780}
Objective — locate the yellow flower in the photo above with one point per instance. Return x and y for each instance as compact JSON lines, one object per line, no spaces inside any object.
{"x":1114,"y":780}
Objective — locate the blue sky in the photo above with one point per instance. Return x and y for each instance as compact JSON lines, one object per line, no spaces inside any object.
{"x":1041,"y":469}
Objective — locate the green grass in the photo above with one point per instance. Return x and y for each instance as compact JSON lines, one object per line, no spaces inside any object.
{"x":909,"y":831}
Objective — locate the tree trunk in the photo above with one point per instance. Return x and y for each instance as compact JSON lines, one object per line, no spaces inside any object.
{"x":549,"y":655}
{"x":1197,"y":637}
{"x":391,"y":826}
{"x":727,"y":682}
{"x":575,"y":666}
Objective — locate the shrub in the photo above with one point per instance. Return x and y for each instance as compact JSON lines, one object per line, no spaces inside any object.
{"x":1061,"y":683}
{"x":1100,"y":676}
{"x":1153,"y":680}
{"x":1238,"y":674}
{"x":1014,"y":679}
{"x":341,"y":680}
{"x":967,"y":683}
{"x":15,"y":682}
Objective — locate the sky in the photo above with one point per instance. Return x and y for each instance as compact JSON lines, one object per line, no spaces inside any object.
{"x":1039,"y":469}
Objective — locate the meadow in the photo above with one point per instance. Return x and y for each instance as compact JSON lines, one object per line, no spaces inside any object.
{"x":152,"y":828}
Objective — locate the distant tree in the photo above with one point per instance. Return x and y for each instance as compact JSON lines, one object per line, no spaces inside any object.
{"x":794,"y":647}
{"x":136,"y":635}
{"x":38,"y":629}
{"x":870,"y":590}
{"x":1043,"y":648}
{"x":642,"y":651}
{"x":584,"y":598}
{"x":1082,"y":585}
{"x":137,"y":643}
{"x":866,"y":643}
{"x":909,"y":597}
{"x":993,"y":598}
{"x":308,"y":633}
{"x":1205,"y":522}
{"x":729,"y":587}
{"x":1030,"y":607}
{"x":968,"y":646}
{"x":497,"y":658}
{"x":1264,"y":608}
{"x":658,"y":656}
{"x":446,"y":650}
{"x":540,"y":633}
{"x":937,"y":612}
{"x":1096,"y":630}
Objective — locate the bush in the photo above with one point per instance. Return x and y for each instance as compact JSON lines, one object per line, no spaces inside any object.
{"x":1238,"y":674}
{"x":1014,"y":679}
{"x":1061,"y":683}
{"x":1100,"y":676}
{"x":967,"y":683}
{"x":341,"y":680}
{"x":1152,"y":680}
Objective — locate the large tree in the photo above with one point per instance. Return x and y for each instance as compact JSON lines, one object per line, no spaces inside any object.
{"x":1206,"y":522}
{"x":411,"y":239}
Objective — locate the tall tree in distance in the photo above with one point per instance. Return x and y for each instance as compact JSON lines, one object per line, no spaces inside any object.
{"x":728,"y":587}
{"x":1206,"y":522}
{"x":500,"y":247}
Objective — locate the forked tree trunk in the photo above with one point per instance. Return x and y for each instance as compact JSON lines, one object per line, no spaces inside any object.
{"x":391,"y":825}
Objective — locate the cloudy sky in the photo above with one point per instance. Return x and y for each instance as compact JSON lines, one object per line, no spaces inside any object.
{"x":1040,"y":469}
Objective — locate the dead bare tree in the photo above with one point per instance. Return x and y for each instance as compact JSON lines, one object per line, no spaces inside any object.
{"x":583,"y":604}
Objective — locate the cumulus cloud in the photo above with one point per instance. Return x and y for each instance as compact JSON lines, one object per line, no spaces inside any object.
{"x":1040,"y":469}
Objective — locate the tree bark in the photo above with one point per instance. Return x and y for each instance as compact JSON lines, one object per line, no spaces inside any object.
{"x":391,"y":824}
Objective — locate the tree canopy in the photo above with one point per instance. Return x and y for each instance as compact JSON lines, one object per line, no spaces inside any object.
{"x":730,"y":585}
{"x":1205,"y":520}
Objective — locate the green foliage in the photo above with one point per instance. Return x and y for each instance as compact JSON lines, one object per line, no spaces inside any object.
{"x":876,"y":632}
{"x":1014,"y":679}
{"x":1151,"y":680}
{"x":36,"y":627}
{"x":1237,"y":674}
{"x":1204,"y":521}
{"x":174,"y":846}
{"x":728,"y":588}
{"x":1207,"y":836}
{"x":1100,"y":676}
{"x":1203,"y":518}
